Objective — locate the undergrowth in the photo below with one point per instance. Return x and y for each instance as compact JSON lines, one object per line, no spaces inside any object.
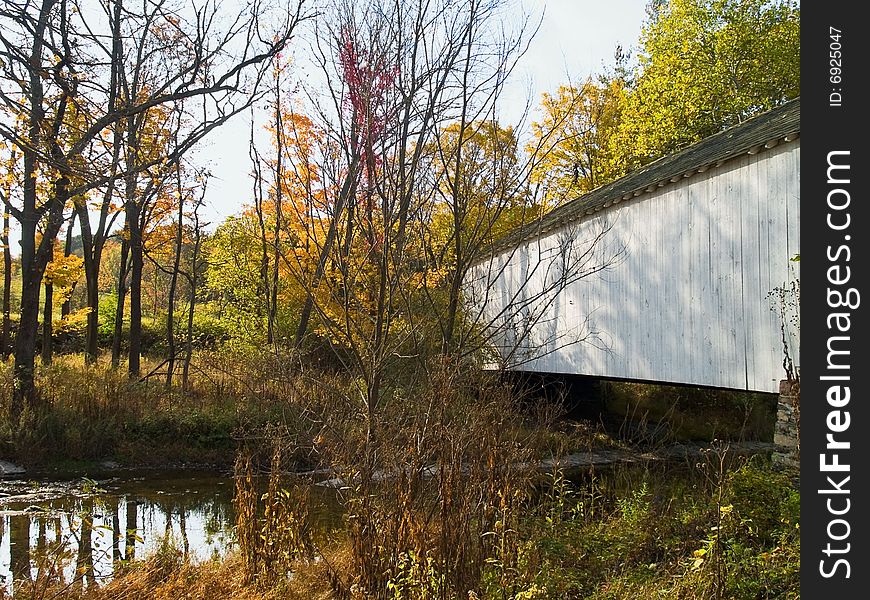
{"x":95,"y":412}
{"x":723,"y":528}
{"x":440,"y":490}
{"x":713,"y":530}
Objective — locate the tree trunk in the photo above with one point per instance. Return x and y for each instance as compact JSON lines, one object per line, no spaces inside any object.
{"x":94,"y":241}
{"x":47,"y":317}
{"x":194,"y":270}
{"x":273,"y":299}
{"x":92,"y":256}
{"x":459,"y":207}
{"x":32,"y":255}
{"x":34,"y":260}
{"x":136,"y":264}
{"x":7,"y":290}
{"x":264,"y":245}
{"x":188,"y":343}
{"x":155,"y":292}
{"x":173,"y":283}
{"x":119,"y":307}
{"x":348,"y":190}
{"x":276,"y":242}
{"x":92,"y":334}
{"x":24,"y":391}
{"x":66,"y":307}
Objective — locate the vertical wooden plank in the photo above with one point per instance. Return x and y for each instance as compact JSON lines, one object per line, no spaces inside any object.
{"x":689,"y":303}
{"x":756,"y":188}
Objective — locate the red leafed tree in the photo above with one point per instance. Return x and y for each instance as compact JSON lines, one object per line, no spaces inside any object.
{"x":397,"y":74}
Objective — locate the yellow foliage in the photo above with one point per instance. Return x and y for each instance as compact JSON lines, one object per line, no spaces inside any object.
{"x":63,"y":271}
{"x":572,"y":140}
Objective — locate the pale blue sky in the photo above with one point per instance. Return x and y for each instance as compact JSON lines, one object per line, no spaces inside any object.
{"x":575,"y":39}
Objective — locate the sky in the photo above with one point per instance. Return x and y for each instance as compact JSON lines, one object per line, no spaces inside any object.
{"x":576,"y":38}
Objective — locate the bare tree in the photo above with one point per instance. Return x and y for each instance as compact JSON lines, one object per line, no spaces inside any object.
{"x":398,"y":76}
{"x":415,"y":182}
{"x":412,"y":144}
{"x":402,"y":78}
{"x":260,"y":199}
{"x":189,"y":275}
{"x":158,"y":55}
{"x":181,"y":193}
{"x":93,"y":240}
{"x":277,"y":197}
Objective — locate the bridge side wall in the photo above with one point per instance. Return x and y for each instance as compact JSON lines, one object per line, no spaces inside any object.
{"x":686,"y":295}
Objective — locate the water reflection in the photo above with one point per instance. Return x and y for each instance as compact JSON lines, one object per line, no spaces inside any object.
{"x":82,"y":535}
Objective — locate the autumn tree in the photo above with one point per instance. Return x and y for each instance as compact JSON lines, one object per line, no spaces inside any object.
{"x":414,"y":180}
{"x":574,"y":137}
{"x":233,"y":253}
{"x":479,"y":178}
{"x":61,"y":274}
{"x":67,"y":71}
{"x":701,"y":66}
{"x":147,"y":198}
{"x":277,"y":197}
{"x":411,"y":141}
{"x":38,"y":86}
{"x":258,"y":257}
{"x":705,"y":65}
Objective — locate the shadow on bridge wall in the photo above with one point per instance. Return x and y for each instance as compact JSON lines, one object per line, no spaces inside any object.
{"x":690,"y":301}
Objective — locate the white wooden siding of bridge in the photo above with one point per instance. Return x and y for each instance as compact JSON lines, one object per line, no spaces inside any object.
{"x":687,"y":302}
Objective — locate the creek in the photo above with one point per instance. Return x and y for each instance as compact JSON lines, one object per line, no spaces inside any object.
{"x":92,"y":527}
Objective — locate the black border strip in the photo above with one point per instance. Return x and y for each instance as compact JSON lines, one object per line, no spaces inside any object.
{"x":833,"y":280}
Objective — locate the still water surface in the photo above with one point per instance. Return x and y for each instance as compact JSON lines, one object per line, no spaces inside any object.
{"x":101,"y":524}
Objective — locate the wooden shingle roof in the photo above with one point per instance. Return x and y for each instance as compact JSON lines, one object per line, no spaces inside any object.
{"x":764,"y":131}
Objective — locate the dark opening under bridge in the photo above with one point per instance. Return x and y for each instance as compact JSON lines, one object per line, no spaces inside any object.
{"x":668,"y":274}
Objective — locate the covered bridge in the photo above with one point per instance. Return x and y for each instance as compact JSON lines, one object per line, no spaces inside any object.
{"x":668,"y":274}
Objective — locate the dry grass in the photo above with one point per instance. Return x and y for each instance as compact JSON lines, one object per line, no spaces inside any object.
{"x":212,"y":580}
{"x":95,"y":412}
{"x":444,"y":510}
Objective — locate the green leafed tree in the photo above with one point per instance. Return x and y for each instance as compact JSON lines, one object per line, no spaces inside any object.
{"x":233,"y":278}
{"x":705,"y":65}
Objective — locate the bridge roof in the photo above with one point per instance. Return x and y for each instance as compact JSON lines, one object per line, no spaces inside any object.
{"x":764,"y":131}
